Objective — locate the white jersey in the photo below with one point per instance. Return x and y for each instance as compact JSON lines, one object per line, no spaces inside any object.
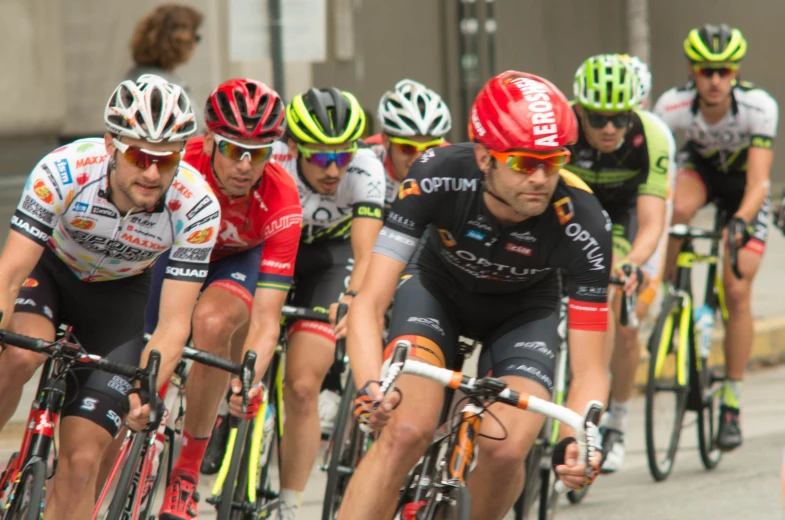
{"x":67,"y":197}
{"x":360,"y":194}
{"x":750,"y":122}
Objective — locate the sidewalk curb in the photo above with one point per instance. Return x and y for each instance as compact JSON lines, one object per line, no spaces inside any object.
{"x":768,"y":348}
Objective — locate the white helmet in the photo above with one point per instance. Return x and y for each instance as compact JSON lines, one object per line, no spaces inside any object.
{"x":150,"y":108}
{"x":411,"y":109}
{"x":642,"y":71}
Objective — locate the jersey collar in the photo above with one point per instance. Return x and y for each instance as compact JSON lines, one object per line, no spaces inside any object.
{"x":734,"y":105}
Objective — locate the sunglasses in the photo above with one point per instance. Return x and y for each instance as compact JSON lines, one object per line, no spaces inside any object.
{"x":709,"y":71}
{"x":527,"y":162}
{"x":619,"y":121}
{"x":323,"y":159}
{"x":409,"y":147}
{"x":238,"y":151}
{"x":144,"y":159}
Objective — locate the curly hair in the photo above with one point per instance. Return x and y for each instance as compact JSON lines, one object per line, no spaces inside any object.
{"x":165,"y":37}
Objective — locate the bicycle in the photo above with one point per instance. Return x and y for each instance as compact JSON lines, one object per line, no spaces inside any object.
{"x":146,"y":456}
{"x":678,"y":365}
{"x":24,"y":479}
{"x":437,"y":485}
{"x":538,"y":488}
{"x":243,"y":488}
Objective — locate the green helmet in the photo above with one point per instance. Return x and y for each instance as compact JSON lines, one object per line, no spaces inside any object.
{"x":605,"y":82}
{"x":715,"y":43}
{"x":325,"y":116}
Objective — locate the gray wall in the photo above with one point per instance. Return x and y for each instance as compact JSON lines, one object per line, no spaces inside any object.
{"x":61,"y":64}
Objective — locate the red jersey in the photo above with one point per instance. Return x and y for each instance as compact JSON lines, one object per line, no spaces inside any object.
{"x":270,"y":214}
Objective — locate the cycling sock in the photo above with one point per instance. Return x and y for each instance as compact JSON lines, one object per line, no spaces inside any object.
{"x":618,"y":412}
{"x":731,"y":393}
{"x":191,"y":455}
{"x":293,"y":499}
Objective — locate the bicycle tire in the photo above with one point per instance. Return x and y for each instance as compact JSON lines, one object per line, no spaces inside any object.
{"x":336,"y":479}
{"x":531,"y":487}
{"x":163,"y":470}
{"x":130,"y":468}
{"x":227,"y":491}
{"x":27,"y":496}
{"x":266,"y":497}
{"x":241,"y":485}
{"x":660,"y":467}
{"x":703,"y":384}
{"x":549,"y":498}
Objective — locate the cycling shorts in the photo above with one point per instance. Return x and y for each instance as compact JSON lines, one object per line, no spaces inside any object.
{"x":518,"y":330}
{"x":321,"y":276}
{"x":236,"y":273}
{"x":726,"y":190}
{"x":107,"y":319}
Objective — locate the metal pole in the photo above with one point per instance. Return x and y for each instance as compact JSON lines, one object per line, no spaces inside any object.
{"x":490,"y":30}
{"x":276,"y":45}
{"x":470,"y":75}
{"x":638,"y":41}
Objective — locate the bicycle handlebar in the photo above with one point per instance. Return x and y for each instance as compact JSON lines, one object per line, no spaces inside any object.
{"x":685,"y":231}
{"x":303,"y":313}
{"x":246,"y":370}
{"x":627,"y":317}
{"x":585,"y":426}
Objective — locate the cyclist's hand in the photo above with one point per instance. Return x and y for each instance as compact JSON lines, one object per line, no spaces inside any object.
{"x":339,"y":330}
{"x":255,"y":395}
{"x":139,"y":415}
{"x":372,"y":409}
{"x":738,"y":231}
{"x":631,"y":282}
{"x":572,"y":473}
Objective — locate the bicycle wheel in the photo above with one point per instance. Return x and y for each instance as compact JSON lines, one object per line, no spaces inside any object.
{"x":707,"y":386}
{"x":666,"y":391}
{"x":453,"y":504}
{"x":531,"y":488}
{"x":27,"y":497}
{"x":341,"y":464}
{"x":228,"y":490}
{"x":149,"y":493}
{"x":123,"y":494}
{"x":549,"y":498}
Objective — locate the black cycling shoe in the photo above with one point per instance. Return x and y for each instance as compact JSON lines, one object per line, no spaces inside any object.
{"x":729,"y":433}
{"x":216,"y":447}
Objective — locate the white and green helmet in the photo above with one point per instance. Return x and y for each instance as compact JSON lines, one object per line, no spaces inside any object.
{"x":605,"y":82}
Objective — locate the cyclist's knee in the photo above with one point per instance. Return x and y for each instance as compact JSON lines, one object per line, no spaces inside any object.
{"x":302,"y":393}
{"x":684,"y":209}
{"x":737,"y":296}
{"x":19,"y":365}
{"x":507,"y":456}
{"x":404,"y":439}
{"x":78,"y":469}
{"x":626,"y":337}
{"x":213,"y":327}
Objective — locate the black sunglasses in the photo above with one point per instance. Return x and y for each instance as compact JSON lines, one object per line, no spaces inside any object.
{"x":621,"y":120}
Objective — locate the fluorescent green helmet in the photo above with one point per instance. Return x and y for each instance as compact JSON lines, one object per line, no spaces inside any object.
{"x":715,"y":43}
{"x":605,"y":82}
{"x":325,"y":116}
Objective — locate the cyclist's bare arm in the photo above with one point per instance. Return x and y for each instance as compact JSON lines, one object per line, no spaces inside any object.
{"x":759,"y":162}
{"x":651,"y":219}
{"x":587,"y":364}
{"x":265,"y":327}
{"x":19,"y":257}
{"x":178,"y":299}
{"x":364,"y":340}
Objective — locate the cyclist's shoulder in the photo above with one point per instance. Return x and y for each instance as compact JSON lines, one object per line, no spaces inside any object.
{"x":676,"y":101}
{"x":80,"y":161}
{"x":365,"y":166}
{"x":655,"y":130}
{"x":278,"y":186}
{"x":573,"y":201}
{"x":190,"y":193}
{"x":753,"y":96}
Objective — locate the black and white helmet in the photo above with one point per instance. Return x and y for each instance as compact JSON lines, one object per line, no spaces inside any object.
{"x":411,"y":109}
{"x":150,"y":108}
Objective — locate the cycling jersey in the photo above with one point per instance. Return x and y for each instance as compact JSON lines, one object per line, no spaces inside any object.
{"x":750,"y":122}
{"x":639,"y":166}
{"x":67,"y":197}
{"x":392,"y":183}
{"x":360,"y":194}
{"x":468,"y":246}
{"x":270,"y":214}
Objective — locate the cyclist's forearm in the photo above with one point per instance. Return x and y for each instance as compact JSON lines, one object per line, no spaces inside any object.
{"x":589,"y":380}
{"x":363,"y":342}
{"x":262,"y":338}
{"x":754,"y":196}
{"x":651,"y":221}
{"x":170,"y":344}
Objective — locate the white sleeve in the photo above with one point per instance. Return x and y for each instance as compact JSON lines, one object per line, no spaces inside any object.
{"x":369,"y":179}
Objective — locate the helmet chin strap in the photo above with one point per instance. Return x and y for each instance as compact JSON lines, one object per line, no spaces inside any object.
{"x":492,"y":194}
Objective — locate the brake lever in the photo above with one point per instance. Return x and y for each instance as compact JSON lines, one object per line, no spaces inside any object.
{"x":628,"y":317}
{"x":396,"y":365}
{"x":150,"y":385}
{"x":247,"y":375}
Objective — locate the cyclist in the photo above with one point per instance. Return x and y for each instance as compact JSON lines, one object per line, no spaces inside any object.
{"x":93,"y":218}
{"x":414,"y":119}
{"x":730,"y":127}
{"x":251,"y":265}
{"x":623,"y":155}
{"x":501,"y":221}
{"x":341,"y":186}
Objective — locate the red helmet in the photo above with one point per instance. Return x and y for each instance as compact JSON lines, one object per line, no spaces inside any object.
{"x":516,"y":110}
{"x":245,"y":109}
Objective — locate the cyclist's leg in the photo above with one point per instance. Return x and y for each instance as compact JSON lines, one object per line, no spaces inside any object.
{"x":36,"y":300}
{"x":221,"y":310}
{"x":693,"y":191}
{"x":322,"y":274}
{"x":420,"y":316}
{"x":108,"y":320}
{"x":524,"y":358}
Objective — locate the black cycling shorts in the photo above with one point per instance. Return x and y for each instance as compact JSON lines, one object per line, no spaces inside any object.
{"x":726,"y":190}
{"x":518,"y":330}
{"x":108,"y":320}
{"x":321,"y":275}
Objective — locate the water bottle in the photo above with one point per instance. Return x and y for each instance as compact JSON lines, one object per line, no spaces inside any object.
{"x":269,"y":425}
{"x":704,"y":324}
